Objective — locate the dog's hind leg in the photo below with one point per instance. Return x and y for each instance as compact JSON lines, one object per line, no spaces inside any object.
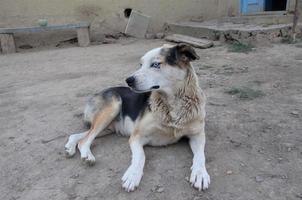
{"x":109,"y":111}
{"x":70,"y":146}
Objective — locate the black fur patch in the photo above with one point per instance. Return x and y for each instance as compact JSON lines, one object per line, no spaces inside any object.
{"x":180,"y":53}
{"x":133,"y":104}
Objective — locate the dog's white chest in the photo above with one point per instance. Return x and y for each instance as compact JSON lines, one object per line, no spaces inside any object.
{"x":125,"y":126}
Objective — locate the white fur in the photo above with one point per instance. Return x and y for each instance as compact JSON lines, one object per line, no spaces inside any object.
{"x":70,"y":147}
{"x":147,"y":77}
{"x":134,"y":173}
{"x":200,"y":178}
{"x":125,"y":126}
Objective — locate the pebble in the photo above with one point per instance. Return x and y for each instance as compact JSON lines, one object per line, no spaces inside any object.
{"x":229,"y":172}
{"x":160,"y":35}
{"x":158,"y":189}
{"x":259,"y":179}
{"x":75,"y":176}
{"x":294,"y":113}
{"x":150,"y":36}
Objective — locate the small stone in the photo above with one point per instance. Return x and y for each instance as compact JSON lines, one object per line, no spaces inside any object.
{"x":158,"y":189}
{"x":160,"y":35}
{"x":150,"y":36}
{"x":259,"y":179}
{"x":296,"y":113}
{"x":75,"y":176}
{"x":187,"y":178}
{"x":299,"y":195}
{"x":242,"y":164}
{"x":229,"y":172}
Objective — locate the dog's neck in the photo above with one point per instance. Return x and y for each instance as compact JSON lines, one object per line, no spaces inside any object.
{"x":179,"y":105}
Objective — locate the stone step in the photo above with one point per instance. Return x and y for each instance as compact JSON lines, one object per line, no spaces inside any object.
{"x":260,"y":19}
{"x":220,"y":30}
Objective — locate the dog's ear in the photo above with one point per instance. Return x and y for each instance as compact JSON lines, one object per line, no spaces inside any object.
{"x":183,"y":53}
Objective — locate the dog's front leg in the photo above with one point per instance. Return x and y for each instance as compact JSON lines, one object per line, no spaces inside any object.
{"x":200,"y":178}
{"x":134,"y":173}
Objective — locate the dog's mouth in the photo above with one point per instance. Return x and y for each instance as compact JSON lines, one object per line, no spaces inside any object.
{"x":155,"y":87}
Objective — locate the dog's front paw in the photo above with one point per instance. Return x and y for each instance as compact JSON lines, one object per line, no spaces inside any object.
{"x":200,"y":178}
{"x":132,"y":178}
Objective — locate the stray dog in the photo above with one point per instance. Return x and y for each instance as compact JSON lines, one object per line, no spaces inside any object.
{"x":164,"y":104}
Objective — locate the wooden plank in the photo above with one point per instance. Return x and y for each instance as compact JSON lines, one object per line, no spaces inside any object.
{"x":46,"y":28}
{"x":7,"y":43}
{"x":195,"y":42}
{"x":83,"y":37}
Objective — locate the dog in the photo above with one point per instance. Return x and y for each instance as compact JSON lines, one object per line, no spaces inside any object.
{"x":162,"y":104}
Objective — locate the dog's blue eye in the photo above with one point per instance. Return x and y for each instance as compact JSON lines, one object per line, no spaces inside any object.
{"x":155,"y":65}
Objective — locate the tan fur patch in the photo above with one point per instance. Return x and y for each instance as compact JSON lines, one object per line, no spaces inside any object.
{"x":105,"y":116}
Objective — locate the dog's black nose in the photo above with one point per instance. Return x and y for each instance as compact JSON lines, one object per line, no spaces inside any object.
{"x":130,"y":81}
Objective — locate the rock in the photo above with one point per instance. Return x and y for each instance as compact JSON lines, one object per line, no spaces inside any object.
{"x":299,"y":195}
{"x":259,"y":179}
{"x":160,"y":35}
{"x":229,"y":172}
{"x":75,"y":176}
{"x":158,"y":189}
{"x":150,"y":36}
{"x":295,"y":113}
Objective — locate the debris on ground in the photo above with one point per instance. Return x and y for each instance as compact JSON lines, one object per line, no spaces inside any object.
{"x":295,"y":113}
{"x":195,"y":42}
{"x":245,"y":93}
{"x":158,"y":189}
{"x":239,"y":47}
{"x":137,"y":25}
{"x":160,"y":35}
{"x":229,"y":172}
{"x":69,"y":41}
{"x":26,"y":46}
{"x":259,"y":179}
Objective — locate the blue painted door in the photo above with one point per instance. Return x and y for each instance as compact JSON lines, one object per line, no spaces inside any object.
{"x":252,"y":6}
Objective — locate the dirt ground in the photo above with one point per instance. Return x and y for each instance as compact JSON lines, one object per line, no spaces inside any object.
{"x":253,"y":146}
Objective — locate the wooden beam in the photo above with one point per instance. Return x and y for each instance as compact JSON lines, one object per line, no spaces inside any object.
{"x":37,"y":29}
{"x":295,"y":21}
{"x":83,"y":37}
{"x":7,"y":43}
{"x":195,"y":42}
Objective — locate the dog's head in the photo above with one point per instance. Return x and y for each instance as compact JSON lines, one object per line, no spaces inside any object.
{"x":162,"y":68}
